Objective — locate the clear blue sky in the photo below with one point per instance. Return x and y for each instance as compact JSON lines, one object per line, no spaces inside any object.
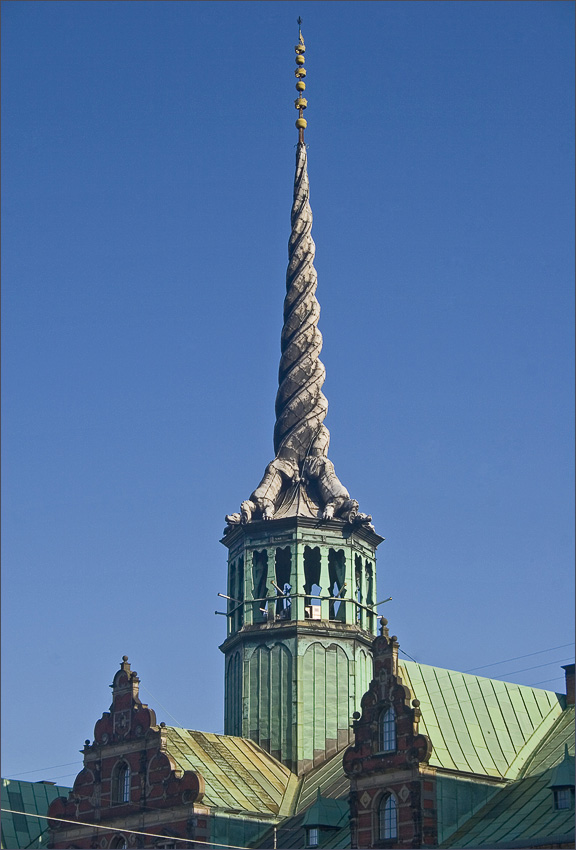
{"x":148,"y":159}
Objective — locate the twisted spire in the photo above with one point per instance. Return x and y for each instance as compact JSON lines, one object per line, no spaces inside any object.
{"x":301,"y":406}
{"x":300,"y":481}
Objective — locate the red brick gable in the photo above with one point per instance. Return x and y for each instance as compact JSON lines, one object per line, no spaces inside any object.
{"x":127,"y":736}
{"x":399,"y":769}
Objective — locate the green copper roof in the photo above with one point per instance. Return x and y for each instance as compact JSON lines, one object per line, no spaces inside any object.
{"x":328,"y":777}
{"x":238,"y":774}
{"x":326,"y":811}
{"x":552,"y":750}
{"x":477,"y":725}
{"x":523,"y":813}
{"x":563,"y":774}
{"x":33,"y":797}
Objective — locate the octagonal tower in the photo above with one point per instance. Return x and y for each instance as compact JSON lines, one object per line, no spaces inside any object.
{"x":301,"y":606}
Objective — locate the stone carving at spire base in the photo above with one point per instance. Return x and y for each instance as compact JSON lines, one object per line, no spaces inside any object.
{"x":301,"y":480}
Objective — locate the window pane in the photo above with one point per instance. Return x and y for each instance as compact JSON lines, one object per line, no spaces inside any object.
{"x":121,"y":784}
{"x":562,"y":798}
{"x":313,"y":837}
{"x":387,"y":818}
{"x":125,"y":787}
{"x":388,"y":730}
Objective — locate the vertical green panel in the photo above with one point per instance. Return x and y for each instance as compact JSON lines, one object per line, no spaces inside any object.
{"x":297,"y":582}
{"x":319,"y":696}
{"x":343,"y":690}
{"x":281,"y":701}
{"x":361,"y":678}
{"x":331,"y":694}
{"x":306,"y":720}
{"x":254,"y":665}
{"x":240,"y":595}
{"x":324,"y":583}
{"x":233,"y":695}
{"x":287,"y":719}
{"x":237,"y":695}
{"x":227,"y":698}
{"x":264,"y":707}
{"x":276,"y":697}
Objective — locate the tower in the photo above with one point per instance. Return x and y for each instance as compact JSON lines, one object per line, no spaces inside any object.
{"x":301,"y":608}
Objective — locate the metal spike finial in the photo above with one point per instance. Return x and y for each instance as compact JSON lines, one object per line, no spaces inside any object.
{"x":300,"y":103}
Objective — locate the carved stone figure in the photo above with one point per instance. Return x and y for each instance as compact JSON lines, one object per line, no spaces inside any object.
{"x":334,"y":497}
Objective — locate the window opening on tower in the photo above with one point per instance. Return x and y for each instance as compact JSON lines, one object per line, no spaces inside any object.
{"x":337,"y":576}
{"x":283,"y":565}
{"x":369,"y":594}
{"x":259,"y":577}
{"x":238,"y":593}
{"x":312,"y":589}
{"x":358,"y":583}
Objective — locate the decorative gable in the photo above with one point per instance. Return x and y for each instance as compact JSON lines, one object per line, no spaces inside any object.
{"x":386,"y":732}
{"x":129,"y":779}
{"x":392,"y":801}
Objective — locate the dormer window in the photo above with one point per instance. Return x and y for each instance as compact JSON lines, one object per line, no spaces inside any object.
{"x":121,"y":783}
{"x":387,"y":730}
{"x":562,"y":782}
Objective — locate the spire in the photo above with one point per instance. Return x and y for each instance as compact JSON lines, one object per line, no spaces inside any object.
{"x":301,"y":406}
{"x":300,"y":481}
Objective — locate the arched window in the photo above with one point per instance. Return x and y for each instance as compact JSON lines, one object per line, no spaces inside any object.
{"x":121,"y":783}
{"x":119,"y":843}
{"x":387,"y":820}
{"x":387,"y":730}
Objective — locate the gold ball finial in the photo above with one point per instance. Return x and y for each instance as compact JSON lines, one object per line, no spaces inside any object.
{"x":300,"y":103}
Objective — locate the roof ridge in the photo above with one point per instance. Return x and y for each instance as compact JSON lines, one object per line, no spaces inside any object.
{"x":553,"y":730}
{"x":403,"y":662}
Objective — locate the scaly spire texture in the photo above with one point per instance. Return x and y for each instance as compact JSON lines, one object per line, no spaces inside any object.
{"x":301,"y":406}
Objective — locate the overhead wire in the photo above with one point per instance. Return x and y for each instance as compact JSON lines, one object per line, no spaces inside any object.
{"x":535,"y":667}
{"x":122,"y":830}
{"x":52,"y":767}
{"x":498,"y":677}
{"x":518,"y":657}
{"x":180,"y":725}
{"x":504,"y":661}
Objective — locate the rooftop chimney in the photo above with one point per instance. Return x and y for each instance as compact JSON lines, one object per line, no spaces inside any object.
{"x":569,"y":670}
